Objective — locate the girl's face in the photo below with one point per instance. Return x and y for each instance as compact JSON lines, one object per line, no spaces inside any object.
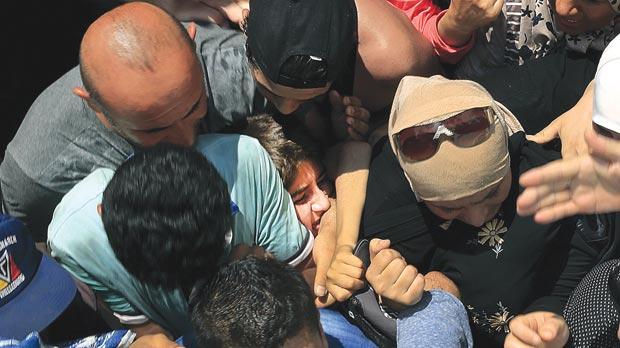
{"x":582,"y":16}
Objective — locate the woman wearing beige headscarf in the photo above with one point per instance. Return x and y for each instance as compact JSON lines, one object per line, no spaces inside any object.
{"x":443,"y":190}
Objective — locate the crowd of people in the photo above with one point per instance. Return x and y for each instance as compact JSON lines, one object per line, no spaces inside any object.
{"x":321,"y":173}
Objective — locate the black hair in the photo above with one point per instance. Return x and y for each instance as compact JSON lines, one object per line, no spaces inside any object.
{"x":166,"y":212}
{"x":253,"y":303}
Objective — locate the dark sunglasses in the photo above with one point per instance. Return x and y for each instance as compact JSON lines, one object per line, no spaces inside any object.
{"x":608,"y":133}
{"x":466,"y":129}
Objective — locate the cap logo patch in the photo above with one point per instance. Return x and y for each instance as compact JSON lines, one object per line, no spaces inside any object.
{"x":10,"y":275}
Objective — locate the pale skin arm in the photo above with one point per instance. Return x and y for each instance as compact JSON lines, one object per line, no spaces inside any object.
{"x":345,"y":274}
{"x":437,"y":280}
{"x":387,"y":53}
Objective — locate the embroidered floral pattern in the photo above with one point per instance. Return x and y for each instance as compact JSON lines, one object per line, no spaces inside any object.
{"x":497,"y":249}
{"x":499,"y":320}
{"x":496,"y":322}
{"x":491,"y":232}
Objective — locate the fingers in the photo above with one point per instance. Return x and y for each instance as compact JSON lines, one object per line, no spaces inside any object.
{"x":534,"y":199}
{"x":322,"y":255}
{"x":513,"y":342}
{"x":320,"y":280}
{"x":524,"y":328}
{"x":381,"y":262}
{"x":550,"y":132}
{"x":415,"y":289}
{"x":554,"y":330}
{"x":335,"y":99}
{"x":559,"y":170}
{"x":347,"y":277}
{"x":324,"y":301}
{"x":356,"y":117}
{"x":376,"y":245}
{"x":603,"y":147}
{"x":556,"y":212}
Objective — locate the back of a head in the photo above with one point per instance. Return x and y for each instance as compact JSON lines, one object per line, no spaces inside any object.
{"x":301,"y":43}
{"x":136,"y":36}
{"x":166,"y":212}
{"x":254,"y":303}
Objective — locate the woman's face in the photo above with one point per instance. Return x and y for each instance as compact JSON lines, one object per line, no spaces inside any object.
{"x":582,"y":16}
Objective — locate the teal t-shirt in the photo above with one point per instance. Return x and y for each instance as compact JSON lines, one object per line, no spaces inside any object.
{"x":266,"y":217}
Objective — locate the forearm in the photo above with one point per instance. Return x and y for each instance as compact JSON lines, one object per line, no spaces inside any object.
{"x":351,"y":190}
{"x":451,"y":33}
{"x":437,"y":280}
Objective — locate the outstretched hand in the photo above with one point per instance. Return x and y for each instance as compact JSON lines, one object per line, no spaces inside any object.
{"x":586,"y":184}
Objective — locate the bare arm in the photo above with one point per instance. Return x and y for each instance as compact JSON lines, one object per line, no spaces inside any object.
{"x":389,"y":49}
{"x":349,"y":163}
{"x":437,"y":280}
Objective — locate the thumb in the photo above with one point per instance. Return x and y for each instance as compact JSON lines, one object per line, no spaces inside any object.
{"x":376,"y":245}
{"x":336,"y":100}
{"x":324,"y":301}
{"x":320,"y":279}
{"x":603,"y":147}
{"x":548,"y":332}
{"x":550,"y":132}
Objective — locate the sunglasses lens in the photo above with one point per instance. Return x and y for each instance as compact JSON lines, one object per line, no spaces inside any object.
{"x":471,"y":127}
{"x":417,"y":143}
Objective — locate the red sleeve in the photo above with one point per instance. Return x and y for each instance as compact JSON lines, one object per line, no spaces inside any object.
{"x":424,"y":15}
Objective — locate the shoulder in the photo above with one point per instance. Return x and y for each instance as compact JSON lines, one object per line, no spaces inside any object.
{"x":57,"y":102}
{"x":234,"y":156}
{"x":227,"y":145}
{"x":210,"y":37}
{"x":411,"y":53}
{"x":76,"y":218}
{"x":388,"y":189}
{"x":232,"y":91}
{"x":527,"y":154}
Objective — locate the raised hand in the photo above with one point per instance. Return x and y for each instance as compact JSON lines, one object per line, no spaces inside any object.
{"x":586,"y":184}
{"x":464,"y":17}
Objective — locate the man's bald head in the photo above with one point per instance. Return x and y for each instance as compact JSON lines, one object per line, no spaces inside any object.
{"x":142,"y":76}
{"x":136,"y":35}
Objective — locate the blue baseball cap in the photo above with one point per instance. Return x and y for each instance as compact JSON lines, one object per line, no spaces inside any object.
{"x":34,"y":289}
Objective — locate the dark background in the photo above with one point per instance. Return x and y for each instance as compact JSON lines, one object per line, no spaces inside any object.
{"x":39,"y":42}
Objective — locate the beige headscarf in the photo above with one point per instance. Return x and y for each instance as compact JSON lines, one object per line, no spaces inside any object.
{"x":453,"y":172}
